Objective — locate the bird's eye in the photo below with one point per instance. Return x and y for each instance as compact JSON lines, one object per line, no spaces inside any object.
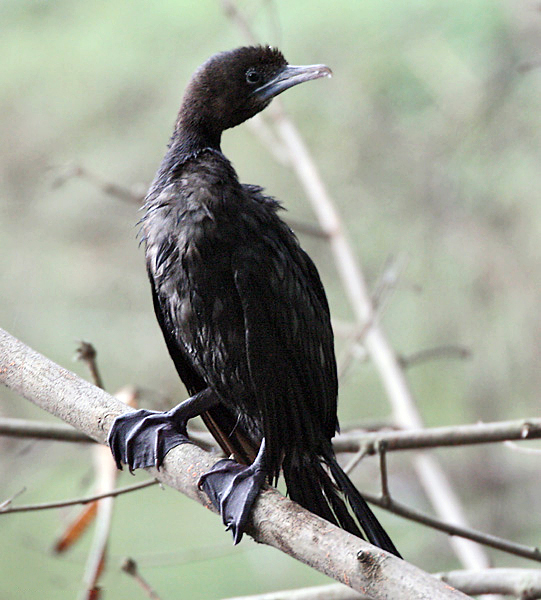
{"x":252,"y":76}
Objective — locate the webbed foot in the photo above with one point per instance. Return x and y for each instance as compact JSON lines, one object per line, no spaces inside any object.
{"x":142,"y":438}
{"x":233,"y":488}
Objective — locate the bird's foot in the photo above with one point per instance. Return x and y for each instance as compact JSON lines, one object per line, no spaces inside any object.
{"x":142,"y":438}
{"x":233,"y":488}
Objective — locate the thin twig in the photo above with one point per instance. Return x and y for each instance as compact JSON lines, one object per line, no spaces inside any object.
{"x":436,"y":353}
{"x":73,"y":501}
{"x":397,"y":508}
{"x":129,"y":566}
{"x":87,"y":353}
{"x":516,"y":448}
{"x":333,"y":591}
{"x":382,"y":450}
{"x":6,"y":503}
{"x":390,"y":277}
{"x":133,"y":195}
{"x":380,"y":298}
{"x":232,"y":12}
{"x":363,"y":451}
{"x":306,"y":228}
{"x":106,"y":476}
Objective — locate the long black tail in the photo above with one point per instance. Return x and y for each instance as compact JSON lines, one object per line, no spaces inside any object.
{"x":309,"y":484}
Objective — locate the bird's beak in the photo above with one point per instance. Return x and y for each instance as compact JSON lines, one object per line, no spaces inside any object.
{"x":289,"y":76}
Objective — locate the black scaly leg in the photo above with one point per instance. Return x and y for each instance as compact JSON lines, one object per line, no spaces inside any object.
{"x":233,"y":488}
{"x":142,"y":438}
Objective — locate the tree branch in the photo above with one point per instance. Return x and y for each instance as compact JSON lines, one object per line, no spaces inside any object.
{"x":388,"y":503}
{"x":352,"y":441}
{"x":6,"y":508}
{"x":22,"y":428}
{"x":522,"y":583}
{"x":437,"y":437}
{"x":275,"y":520}
{"x":59,"y":432}
{"x":129,"y":566}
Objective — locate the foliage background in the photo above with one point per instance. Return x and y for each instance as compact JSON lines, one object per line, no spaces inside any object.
{"x":429,"y":138}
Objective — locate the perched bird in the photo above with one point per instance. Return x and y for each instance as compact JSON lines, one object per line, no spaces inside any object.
{"x":243,"y":313}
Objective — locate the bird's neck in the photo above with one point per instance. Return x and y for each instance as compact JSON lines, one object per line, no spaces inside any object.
{"x":194,"y":132}
{"x":189,"y":139}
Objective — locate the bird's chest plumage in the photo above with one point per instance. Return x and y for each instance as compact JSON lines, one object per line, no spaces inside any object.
{"x":190,"y":245}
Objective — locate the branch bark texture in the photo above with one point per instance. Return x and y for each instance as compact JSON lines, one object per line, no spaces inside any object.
{"x":276,"y":521}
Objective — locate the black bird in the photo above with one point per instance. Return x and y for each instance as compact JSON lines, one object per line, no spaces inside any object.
{"x":243,"y":313}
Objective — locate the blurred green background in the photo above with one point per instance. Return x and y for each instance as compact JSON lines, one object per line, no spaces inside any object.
{"x":429,"y":138}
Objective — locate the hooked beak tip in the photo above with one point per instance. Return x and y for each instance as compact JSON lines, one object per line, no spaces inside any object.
{"x":290,"y":76}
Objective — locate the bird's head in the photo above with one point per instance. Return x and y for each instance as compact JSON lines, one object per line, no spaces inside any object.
{"x":230,"y":87}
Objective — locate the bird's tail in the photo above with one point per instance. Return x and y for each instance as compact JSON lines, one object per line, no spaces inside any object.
{"x":309,"y":484}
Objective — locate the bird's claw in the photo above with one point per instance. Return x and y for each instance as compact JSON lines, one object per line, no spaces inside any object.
{"x":142,"y":438}
{"x":232,"y":489}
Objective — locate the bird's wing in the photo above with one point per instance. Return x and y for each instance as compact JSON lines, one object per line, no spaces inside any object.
{"x":289,"y":343}
{"x":219,"y":420}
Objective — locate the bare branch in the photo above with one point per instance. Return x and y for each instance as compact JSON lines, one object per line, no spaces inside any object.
{"x":352,"y":441}
{"x":516,"y":448}
{"x":388,"y":503}
{"x":133,"y":195}
{"x":43,"y":431}
{"x":87,"y":353}
{"x":439,"y":352}
{"x":106,"y":476}
{"x":60,"y":432}
{"x":73,"y":501}
{"x":334,"y":591}
{"x":437,"y":437}
{"x":6,"y":503}
{"x":232,"y":12}
{"x":522,"y":583}
{"x":129,"y":566}
{"x":275,"y":520}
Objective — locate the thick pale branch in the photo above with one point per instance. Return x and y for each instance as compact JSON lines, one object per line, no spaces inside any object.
{"x":276,"y":521}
